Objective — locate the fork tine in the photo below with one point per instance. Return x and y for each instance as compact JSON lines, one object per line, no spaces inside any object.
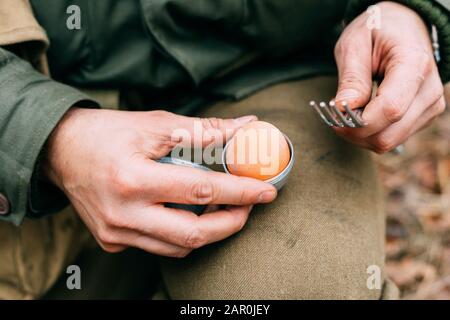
{"x":356,"y":118}
{"x":338,"y":112}
{"x":329,"y":115}
{"x":324,"y":118}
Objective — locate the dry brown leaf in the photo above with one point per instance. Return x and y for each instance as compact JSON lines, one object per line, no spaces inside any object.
{"x":434,"y":220}
{"x":417,"y":193}
{"x":409,"y":272}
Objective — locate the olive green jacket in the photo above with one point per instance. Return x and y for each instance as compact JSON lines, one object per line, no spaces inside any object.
{"x":32,"y":103}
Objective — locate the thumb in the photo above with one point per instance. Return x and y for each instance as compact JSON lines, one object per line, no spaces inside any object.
{"x":355,"y":73}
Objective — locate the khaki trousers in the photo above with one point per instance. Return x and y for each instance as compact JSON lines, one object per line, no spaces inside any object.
{"x":318,"y":240}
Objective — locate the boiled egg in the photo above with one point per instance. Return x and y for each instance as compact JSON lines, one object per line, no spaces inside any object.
{"x":258,"y":150}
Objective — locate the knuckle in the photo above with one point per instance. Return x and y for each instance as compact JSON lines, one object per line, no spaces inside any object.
{"x":342,"y":42}
{"x":164,"y":143}
{"x":439,"y":91}
{"x":349,"y":77}
{"x":212,"y":123}
{"x":112,"y":219}
{"x":195,"y":239}
{"x":112,"y":248}
{"x":353,"y":79}
{"x":384,"y":144}
{"x":106,"y":237}
{"x":160,"y":114}
{"x":424,"y":61}
{"x":440,"y":106}
{"x":124,"y":184}
{"x":338,"y":48}
{"x":247,"y":196}
{"x":393,"y":111}
{"x":202,"y":192}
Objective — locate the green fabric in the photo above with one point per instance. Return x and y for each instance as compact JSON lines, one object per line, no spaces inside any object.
{"x":206,"y":37}
{"x":178,"y":46}
{"x":435,"y":12}
{"x":113,"y":48}
{"x":31,"y":106}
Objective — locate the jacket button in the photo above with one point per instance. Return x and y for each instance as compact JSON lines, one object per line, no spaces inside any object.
{"x":4,"y":205}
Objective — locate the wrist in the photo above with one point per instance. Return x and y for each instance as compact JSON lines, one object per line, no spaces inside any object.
{"x":59,"y":145}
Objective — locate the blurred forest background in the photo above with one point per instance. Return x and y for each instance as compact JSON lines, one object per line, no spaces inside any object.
{"x":417,"y":187}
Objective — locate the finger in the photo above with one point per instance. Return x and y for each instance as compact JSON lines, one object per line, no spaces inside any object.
{"x":139,"y":240}
{"x":360,"y":142}
{"x":423,"y":122}
{"x":202,"y":132}
{"x":233,"y":217}
{"x":398,"y":133}
{"x":403,"y":78}
{"x":178,"y":184}
{"x":98,"y":231}
{"x":353,"y":55}
{"x":185,"y":229}
{"x":427,"y":105}
{"x":110,"y":248}
{"x":430,"y":91}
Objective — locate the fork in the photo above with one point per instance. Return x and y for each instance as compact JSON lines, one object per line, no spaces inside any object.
{"x":333,"y":117}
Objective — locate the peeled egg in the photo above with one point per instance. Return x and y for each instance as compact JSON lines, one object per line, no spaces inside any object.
{"x":258,"y":150}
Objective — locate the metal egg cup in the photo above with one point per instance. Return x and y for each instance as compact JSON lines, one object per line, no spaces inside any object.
{"x":278,"y":181}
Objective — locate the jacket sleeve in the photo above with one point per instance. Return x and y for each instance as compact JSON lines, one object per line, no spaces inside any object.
{"x":31,"y":105}
{"x":434,"y":12}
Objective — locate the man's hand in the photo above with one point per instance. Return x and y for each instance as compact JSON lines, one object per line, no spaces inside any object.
{"x":411,"y":92}
{"x":104,"y":161}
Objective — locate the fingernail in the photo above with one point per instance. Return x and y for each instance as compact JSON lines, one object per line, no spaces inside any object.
{"x":244,"y":120}
{"x":347,"y":94}
{"x":267,"y":196}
